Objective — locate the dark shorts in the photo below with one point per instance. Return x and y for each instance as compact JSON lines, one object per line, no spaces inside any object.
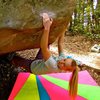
{"x":25,"y":63}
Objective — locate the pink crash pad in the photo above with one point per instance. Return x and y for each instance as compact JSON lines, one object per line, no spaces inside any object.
{"x":21,"y":79}
{"x":55,"y":92}
{"x":84,"y":77}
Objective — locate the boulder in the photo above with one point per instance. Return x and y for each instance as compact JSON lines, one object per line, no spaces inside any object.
{"x":21,"y":22}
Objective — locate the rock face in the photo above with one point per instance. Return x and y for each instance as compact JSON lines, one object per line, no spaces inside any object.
{"x":21,"y":22}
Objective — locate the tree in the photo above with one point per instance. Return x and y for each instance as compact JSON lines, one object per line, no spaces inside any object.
{"x":86,"y":19}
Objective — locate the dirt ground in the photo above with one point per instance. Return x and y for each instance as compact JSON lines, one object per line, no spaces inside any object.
{"x":79,"y":47}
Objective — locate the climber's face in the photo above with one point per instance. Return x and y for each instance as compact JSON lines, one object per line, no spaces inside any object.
{"x":65,"y":64}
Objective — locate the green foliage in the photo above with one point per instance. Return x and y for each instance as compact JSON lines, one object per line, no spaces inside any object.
{"x":78,"y":28}
{"x":92,"y":36}
{"x":86,"y":19}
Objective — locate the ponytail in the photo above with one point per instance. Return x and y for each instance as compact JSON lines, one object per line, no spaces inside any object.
{"x":73,"y":84}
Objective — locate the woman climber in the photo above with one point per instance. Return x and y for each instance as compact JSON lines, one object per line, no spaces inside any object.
{"x":46,"y":63}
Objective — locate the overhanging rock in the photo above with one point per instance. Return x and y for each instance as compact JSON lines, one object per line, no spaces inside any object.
{"x":21,"y":22}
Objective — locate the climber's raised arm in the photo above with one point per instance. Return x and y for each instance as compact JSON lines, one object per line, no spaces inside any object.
{"x":61,"y":43}
{"x":45,"y":36}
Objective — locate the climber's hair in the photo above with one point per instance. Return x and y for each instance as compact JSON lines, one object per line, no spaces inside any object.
{"x":73,"y":83}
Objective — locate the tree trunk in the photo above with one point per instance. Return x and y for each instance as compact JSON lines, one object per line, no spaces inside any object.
{"x":88,"y":16}
{"x":97,"y":17}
